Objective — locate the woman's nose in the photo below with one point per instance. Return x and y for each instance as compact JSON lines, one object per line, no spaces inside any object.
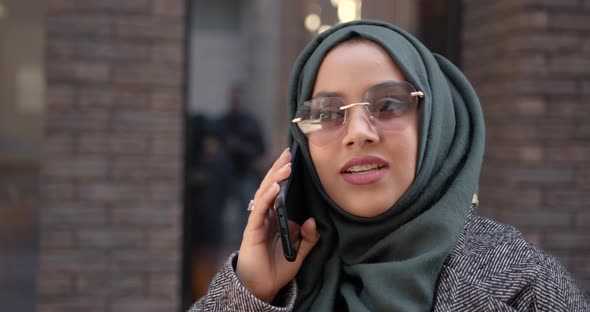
{"x":360,"y":128}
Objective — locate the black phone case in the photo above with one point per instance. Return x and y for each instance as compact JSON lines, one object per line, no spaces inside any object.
{"x":280,"y":207}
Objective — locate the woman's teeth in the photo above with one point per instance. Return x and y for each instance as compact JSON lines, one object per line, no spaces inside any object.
{"x":363,"y":168}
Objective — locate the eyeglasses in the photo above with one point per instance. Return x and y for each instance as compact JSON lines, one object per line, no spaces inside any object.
{"x":389,"y":106}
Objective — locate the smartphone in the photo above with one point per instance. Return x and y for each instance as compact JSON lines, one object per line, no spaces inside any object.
{"x":280,"y":206}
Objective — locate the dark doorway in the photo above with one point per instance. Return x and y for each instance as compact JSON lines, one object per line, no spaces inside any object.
{"x":440,"y":27}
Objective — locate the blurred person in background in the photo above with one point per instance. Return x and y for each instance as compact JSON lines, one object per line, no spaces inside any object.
{"x":391,"y":143}
{"x":208,"y":189}
{"x":241,"y":136}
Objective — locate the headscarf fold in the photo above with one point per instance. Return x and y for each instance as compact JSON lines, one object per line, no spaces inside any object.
{"x":390,"y":262}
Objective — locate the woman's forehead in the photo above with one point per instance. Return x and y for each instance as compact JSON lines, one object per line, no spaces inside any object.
{"x":355,"y":64}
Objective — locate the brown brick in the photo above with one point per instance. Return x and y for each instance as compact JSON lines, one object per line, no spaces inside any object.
{"x":570,"y":152}
{"x":168,"y":53}
{"x":71,"y":26}
{"x":163,"y":285}
{"x":93,"y":143}
{"x":84,"y":49}
{"x":541,"y":175}
{"x":579,"y":263}
{"x":55,"y":286}
{"x":144,"y":121}
{"x":532,"y":86}
{"x":60,"y":5}
{"x":79,"y":120}
{"x":58,"y":239}
{"x":532,"y":65}
{"x":130,"y":168}
{"x":59,"y":144}
{"x":79,"y":167}
{"x":114,"y":121}
{"x":124,"y":99}
{"x":165,"y":168}
{"x":586,"y":87}
{"x":583,"y":178}
{"x":148,"y":75}
{"x":510,"y":153}
{"x":548,"y":87}
{"x":582,"y":131}
{"x":72,"y":261}
{"x":528,"y":132}
{"x":567,"y":200}
{"x":551,"y":4}
{"x":106,"y":238}
{"x":582,"y":219}
{"x":93,"y":284}
{"x":569,"y":21}
{"x":54,"y":191}
{"x":170,"y":8}
{"x":125,"y":260}
{"x":565,"y":108}
{"x":148,"y":27}
{"x":128,"y":144}
{"x":108,"y":6}
{"x":143,"y":304}
{"x":165,"y":191}
{"x":538,"y":219}
{"x":170,"y":145}
{"x":567,"y":65}
{"x":60,"y":96}
{"x":585,"y":45}
{"x":544,"y":41}
{"x":523,"y":197}
{"x":164,"y":239}
{"x":87,"y":304}
{"x":61,"y":48}
{"x":74,"y":214}
{"x":531,"y":235}
{"x":567,"y":240}
{"x":170,"y":100}
{"x":145,"y":214}
{"x":96,"y":97}
{"x":78,"y":71}
{"x":531,"y":106}
{"x":110,"y":191}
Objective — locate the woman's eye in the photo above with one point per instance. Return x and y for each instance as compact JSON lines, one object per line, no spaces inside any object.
{"x":390,"y":107}
{"x":330,"y":116}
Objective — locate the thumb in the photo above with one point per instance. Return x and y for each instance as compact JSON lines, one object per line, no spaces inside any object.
{"x":309,"y":237}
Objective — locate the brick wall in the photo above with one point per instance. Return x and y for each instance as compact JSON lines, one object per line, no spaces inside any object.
{"x":111,"y":173}
{"x":530,"y":63}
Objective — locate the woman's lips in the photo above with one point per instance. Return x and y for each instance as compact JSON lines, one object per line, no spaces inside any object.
{"x":364,"y":170}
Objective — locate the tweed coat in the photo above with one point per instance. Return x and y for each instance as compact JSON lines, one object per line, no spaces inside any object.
{"x":491,"y":268}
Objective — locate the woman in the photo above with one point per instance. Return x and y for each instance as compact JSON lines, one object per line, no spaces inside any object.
{"x":392,"y":140}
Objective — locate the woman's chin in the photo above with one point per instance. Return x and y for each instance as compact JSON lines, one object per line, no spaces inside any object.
{"x":368,"y":208}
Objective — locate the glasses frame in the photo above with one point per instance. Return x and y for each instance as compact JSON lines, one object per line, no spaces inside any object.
{"x":417,"y":93}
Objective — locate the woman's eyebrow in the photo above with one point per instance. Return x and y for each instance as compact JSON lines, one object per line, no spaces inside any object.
{"x":338,"y":94}
{"x":327,"y":94}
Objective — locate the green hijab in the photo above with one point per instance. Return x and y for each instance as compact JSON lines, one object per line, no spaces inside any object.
{"x":390,"y":262}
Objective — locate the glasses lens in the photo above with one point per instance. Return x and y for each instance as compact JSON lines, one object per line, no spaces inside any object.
{"x":320,"y":114}
{"x":392,"y":105}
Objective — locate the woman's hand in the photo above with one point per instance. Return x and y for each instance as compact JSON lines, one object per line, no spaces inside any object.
{"x":262,"y":267}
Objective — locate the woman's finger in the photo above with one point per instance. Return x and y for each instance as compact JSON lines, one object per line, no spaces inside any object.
{"x":309,"y":237}
{"x":262,"y":204}
{"x":283,"y":159}
{"x":264,"y":198}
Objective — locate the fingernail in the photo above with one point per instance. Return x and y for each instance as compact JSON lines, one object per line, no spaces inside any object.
{"x":286,"y":149}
